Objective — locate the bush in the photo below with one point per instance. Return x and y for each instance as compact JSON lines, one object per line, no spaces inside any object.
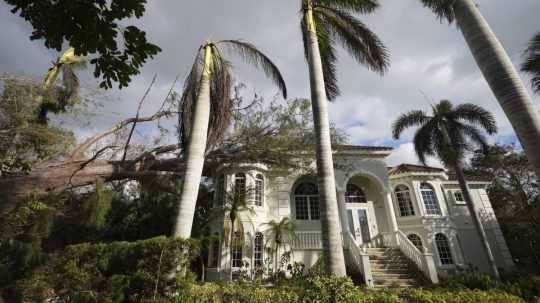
{"x":115,"y":272}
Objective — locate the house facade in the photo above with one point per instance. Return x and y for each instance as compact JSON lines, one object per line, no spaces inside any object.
{"x":416,"y":210}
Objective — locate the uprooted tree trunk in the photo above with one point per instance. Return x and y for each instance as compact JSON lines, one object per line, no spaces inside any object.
{"x":56,"y":176}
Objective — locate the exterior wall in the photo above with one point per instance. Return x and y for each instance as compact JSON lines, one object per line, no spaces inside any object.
{"x":371,"y":175}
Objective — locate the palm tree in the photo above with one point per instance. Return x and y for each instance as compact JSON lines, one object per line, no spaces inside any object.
{"x":498,"y":71}
{"x":323,"y":23}
{"x":532,"y":62}
{"x":66,"y":65}
{"x":448,"y":134}
{"x":236,"y":203}
{"x":205,"y":110}
{"x":278,"y":232}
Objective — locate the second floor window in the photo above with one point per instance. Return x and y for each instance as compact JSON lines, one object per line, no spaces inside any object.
{"x":306,"y":198}
{"x":220,"y":190}
{"x":403,"y":197}
{"x":430,"y":199}
{"x":240,"y":184}
{"x":259,"y":190}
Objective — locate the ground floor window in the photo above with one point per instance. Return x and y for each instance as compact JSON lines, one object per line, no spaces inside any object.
{"x":443,"y":248}
{"x":416,"y":241}
{"x":236,"y":250}
{"x":258,"y":247}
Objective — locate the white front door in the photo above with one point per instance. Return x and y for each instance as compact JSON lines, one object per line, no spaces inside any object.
{"x":361,"y":221}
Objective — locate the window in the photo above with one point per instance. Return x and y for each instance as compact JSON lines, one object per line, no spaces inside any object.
{"x":306,"y":198}
{"x":403,"y":197}
{"x":416,"y":241}
{"x":239,"y":184}
{"x":215,"y":251}
{"x":430,"y":200}
{"x":220,"y":190}
{"x":443,"y":248}
{"x":458,"y":197}
{"x":354,"y":194}
{"x":259,"y":190}
{"x":236,"y":250}
{"x":258,"y":247}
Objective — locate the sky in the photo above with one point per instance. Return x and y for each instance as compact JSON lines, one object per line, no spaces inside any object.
{"x":429,"y":61}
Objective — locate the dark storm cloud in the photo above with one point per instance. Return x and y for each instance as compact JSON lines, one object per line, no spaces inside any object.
{"x":428,"y":58}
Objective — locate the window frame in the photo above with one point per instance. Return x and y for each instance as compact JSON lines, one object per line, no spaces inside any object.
{"x":404,"y":210}
{"x":237,"y":251}
{"x":259,"y":190}
{"x":457,"y":201}
{"x":413,"y":235}
{"x":312,"y":203}
{"x":434,"y":203}
{"x":446,"y":257}
{"x":361,"y":195}
{"x":258,"y":252}
{"x":240,"y":179}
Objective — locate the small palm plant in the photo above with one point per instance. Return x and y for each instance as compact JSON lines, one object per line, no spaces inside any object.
{"x":448,"y":134}
{"x":532,"y":62}
{"x":67,"y":64}
{"x":205,"y":114}
{"x":325,"y":23}
{"x":278,"y":233}
{"x":236,"y":208}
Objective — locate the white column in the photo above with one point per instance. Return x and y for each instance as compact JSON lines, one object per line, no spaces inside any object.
{"x":342,"y":211}
{"x":392,"y":221}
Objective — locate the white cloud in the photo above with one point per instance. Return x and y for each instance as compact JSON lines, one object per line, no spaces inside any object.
{"x":404,"y":153}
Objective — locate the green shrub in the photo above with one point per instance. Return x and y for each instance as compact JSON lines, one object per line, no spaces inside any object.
{"x":117,"y":272}
{"x":480,"y":281}
{"x":330,"y":288}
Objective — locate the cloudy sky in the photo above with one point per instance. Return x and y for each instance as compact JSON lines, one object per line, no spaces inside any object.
{"x":430,"y":61}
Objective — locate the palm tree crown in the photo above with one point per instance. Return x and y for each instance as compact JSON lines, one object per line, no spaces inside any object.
{"x":334,"y":21}
{"x":532,"y":62}
{"x":444,"y":9}
{"x":209,"y":60}
{"x":449,"y":132}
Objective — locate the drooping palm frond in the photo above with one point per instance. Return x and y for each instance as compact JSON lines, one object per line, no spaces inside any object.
{"x":474,"y":135}
{"x":475,"y":114}
{"x":252,"y":55}
{"x":355,"y":37}
{"x":328,"y":56}
{"x":220,"y":98}
{"x":444,"y":9}
{"x":410,"y":119}
{"x":423,"y":141}
{"x":532,"y":62}
{"x":357,"y":6}
{"x":188,"y":99}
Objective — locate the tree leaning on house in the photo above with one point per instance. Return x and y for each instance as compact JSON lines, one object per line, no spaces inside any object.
{"x":498,"y":71}
{"x":205,"y":115}
{"x":532,"y":62}
{"x":448,"y":135}
{"x":323,"y":23}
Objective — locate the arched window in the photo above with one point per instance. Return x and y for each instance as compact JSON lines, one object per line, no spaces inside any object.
{"x":354,"y":194}
{"x":403,"y":197}
{"x":443,"y":248}
{"x":430,"y":200}
{"x":236,"y":250}
{"x":220,"y":190}
{"x":306,"y":198}
{"x":415,"y":239}
{"x":258,"y":248}
{"x":259,"y":190}
{"x":240,"y":184}
{"x":215,"y":251}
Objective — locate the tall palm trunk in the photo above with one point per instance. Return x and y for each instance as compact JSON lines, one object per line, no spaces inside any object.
{"x":476,"y":219}
{"x":502,"y":78}
{"x":331,"y":233}
{"x":195,"y":151}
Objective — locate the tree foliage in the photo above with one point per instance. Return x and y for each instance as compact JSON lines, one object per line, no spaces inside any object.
{"x":94,"y":27}
{"x":532,"y":62}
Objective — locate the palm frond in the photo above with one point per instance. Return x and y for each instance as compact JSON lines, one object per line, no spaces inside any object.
{"x":357,"y":6}
{"x":188,"y":99}
{"x":477,"y":115}
{"x":444,"y":9}
{"x":423,"y":141}
{"x":410,"y":119}
{"x":474,"y":136}
{"x":532,"y":62}
{"x":359,"y":41}
{"x":220,"y":98}
{"x":252,"y":55}
{"x":328,"y":56}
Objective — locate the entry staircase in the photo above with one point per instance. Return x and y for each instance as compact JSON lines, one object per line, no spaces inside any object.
{"x":385,"y":261}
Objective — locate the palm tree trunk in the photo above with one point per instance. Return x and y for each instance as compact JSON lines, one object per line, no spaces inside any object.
{"x":502,"y":78}
{"x":331,"y":233}
{"x":195,"y":150}
{"x":476,"y":219}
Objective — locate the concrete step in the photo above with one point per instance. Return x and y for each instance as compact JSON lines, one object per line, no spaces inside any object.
{"x":390,"y":276}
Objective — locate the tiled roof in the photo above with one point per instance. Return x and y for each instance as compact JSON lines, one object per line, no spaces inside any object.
{"x":409,"y":168}
{"x":364,"y":147}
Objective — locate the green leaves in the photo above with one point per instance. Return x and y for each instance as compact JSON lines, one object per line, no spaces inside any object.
{"x":444,"y":9}
{"x":95,"y":27}
{"x":532,"y":62}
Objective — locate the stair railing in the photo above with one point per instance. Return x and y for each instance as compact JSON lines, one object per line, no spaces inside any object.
{"x":360,"y":258}
{"x":423,"y":260}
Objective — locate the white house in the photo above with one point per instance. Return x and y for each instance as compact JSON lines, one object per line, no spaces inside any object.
{"x":390,"y":218}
